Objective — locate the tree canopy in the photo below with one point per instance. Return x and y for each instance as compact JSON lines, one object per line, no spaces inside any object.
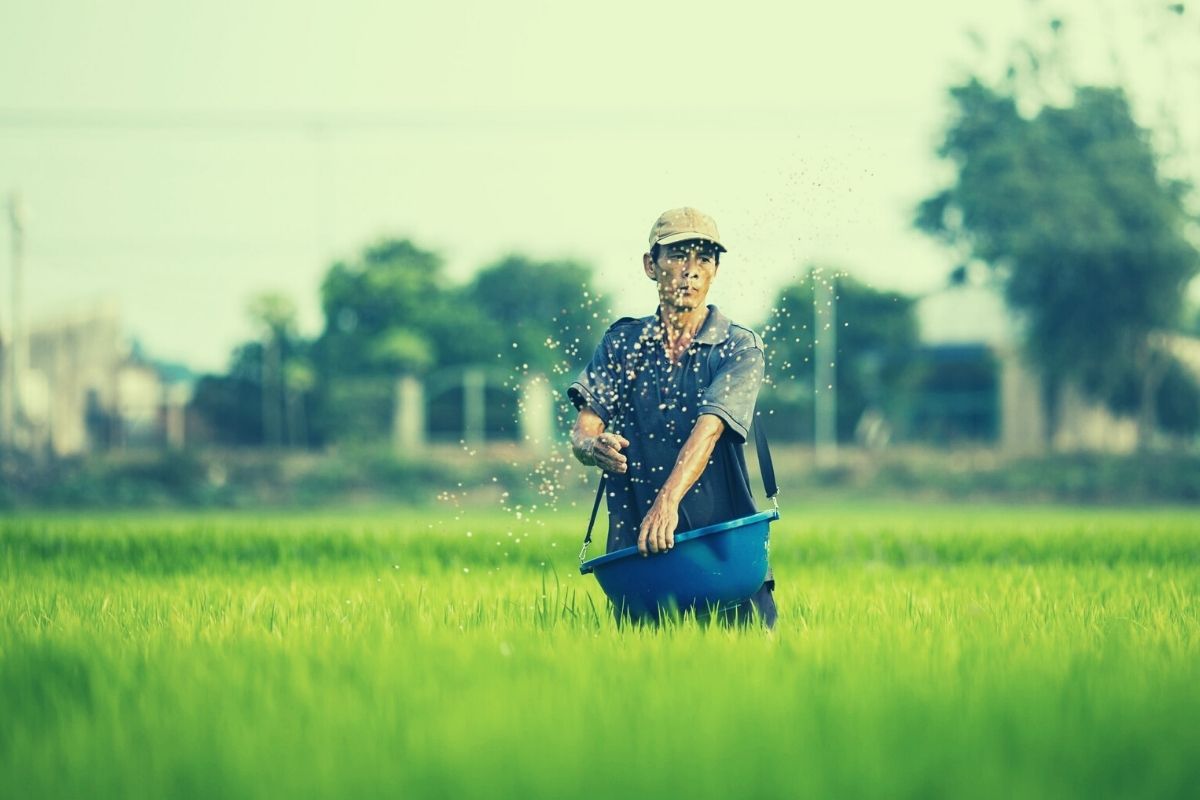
{"x":1089,"y":241}
{"x":379,"y":310}
{"x":548,"y":309}
{"x":392,"y":311}
{"x":876,"y":332}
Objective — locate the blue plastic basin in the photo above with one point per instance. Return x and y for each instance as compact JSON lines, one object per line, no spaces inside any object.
{"x":712,"y":567}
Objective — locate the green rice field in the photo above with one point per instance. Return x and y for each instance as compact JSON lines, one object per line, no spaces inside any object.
{"x":921,"y":651}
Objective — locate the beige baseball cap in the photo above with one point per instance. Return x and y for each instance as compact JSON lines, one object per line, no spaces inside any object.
{"x":683,"y":224}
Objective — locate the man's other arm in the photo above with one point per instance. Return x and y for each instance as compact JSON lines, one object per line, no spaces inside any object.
{"x":658,"y":526}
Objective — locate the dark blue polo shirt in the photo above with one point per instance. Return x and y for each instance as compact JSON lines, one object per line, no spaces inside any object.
{"x":654,"y":403}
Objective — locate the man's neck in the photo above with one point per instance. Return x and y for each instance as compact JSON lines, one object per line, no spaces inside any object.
{"x":680,"y":326}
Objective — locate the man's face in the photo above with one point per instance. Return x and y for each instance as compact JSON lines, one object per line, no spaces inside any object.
{"x":684,"y":272}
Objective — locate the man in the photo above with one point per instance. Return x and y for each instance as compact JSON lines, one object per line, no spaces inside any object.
{"x":666,"y":402}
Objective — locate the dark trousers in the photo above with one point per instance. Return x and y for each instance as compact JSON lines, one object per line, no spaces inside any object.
{"x":759,"y":607}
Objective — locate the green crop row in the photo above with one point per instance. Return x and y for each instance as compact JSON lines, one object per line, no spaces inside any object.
{"x":920,"y":652}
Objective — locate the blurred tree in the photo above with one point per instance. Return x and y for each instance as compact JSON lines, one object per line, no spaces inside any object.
{"x":391,"y":312}
{"x":1191,"y":320}
{"x":263,"y":398}
{"x":377,"y":311}
{"x":548,"y":309}
{"x":230,"y":405}
{"x":299,"y":381}
{"x":1088,"y":239}
{"x":1178,"y":402}
{"x":275,"y":317}
{"x":876,"y":334}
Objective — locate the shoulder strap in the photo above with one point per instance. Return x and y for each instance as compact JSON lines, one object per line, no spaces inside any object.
{"x":587,"y":540}
{"x":765,"y":466}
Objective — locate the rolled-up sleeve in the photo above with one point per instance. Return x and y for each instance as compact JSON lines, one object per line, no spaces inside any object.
{"x":733,"y":390}
{"x":596,"y":386}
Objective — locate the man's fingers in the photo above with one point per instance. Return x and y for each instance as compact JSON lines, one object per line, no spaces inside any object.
{"x":612,"y":440}
{"x":656,"y":536}
{"x":651,"y":546}
{"x":611,"y":464}
{"x":608,"y":451}
{"x":611,"y":444}
{"x":666,"y":535}
{"x":609,"y":458}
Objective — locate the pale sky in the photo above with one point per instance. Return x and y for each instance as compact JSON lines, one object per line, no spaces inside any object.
{"x":179,"y":157}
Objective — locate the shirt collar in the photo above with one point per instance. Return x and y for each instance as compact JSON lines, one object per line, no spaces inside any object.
{"x":714,"y":331}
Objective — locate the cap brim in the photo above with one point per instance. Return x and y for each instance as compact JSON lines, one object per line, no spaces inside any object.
{"x":687,"y":236}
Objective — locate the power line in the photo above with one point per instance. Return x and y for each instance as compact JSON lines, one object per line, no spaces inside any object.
{"x":325,"y":122}
{"x":212,"y":120}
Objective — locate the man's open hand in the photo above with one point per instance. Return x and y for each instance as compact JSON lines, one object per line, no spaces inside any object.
{"x":604,"y":451}
{"x":657,"y":533}
{"x":595,"y":447}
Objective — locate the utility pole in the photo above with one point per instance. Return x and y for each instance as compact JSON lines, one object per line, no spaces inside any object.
{"x":272,"y":387}
{"x":15,"y":350}
{"x":824,"y":369}
{"x":474,"y":383}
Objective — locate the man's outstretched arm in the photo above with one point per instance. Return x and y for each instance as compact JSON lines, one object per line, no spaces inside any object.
{"x":658,"y":527}
{"x":595,"y":448}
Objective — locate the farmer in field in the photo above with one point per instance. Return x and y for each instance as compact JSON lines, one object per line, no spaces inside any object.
{"x":667,"y":400}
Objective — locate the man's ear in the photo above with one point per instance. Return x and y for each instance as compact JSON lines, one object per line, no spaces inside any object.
{"x":648,"y":266}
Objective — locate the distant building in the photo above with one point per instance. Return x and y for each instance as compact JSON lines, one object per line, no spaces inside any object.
{"x":978,"y":385}
{"x":84,"y":390}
